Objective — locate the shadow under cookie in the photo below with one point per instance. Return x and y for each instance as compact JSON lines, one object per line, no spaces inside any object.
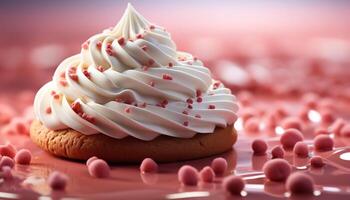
{"x":71,"y":144}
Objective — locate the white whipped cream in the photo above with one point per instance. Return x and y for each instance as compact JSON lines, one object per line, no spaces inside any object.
{"x":131,"y":81}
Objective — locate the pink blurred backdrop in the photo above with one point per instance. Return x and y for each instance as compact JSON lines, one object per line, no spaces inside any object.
{"x":244,"y":42}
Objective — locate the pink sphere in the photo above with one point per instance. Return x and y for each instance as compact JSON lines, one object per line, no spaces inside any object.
{"x":259,"y":147}
{"x":323,"y":143}
{"x":277,"y":152}
{"x":99,"y":168}
{"x":316,"y":162}
{"x":300,"y":183}
{"x":310,"y":100}
{"x":277,"y":170}
{"x":327,"y":116}
{"x":188,"y":175}
{"x":8,"y":150}
{"x":6,"y":172}
{"x":248,"y":113}
{"x":292,"y":122}
{"x":290,"y":137}
{"x":7,"y":161}
{"x":148,"y":166}
{"x":301,"y":149}
{"x":337,"y":126}
{"x":219,"y":165}
{"x":57,"y":180}
{"x":345,"y":130}
{"x":321,"y":131}
{"x":88,"y":162}
{"x":233,"y":184}
{"x":252,"y":125}
{"x":23,"y":157}
{"x":207,"y":174}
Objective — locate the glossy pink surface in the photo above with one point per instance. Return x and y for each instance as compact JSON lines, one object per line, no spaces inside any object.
{"x":126,"y":181}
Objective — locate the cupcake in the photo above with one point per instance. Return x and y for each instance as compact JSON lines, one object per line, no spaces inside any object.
{"x":129,"y":94}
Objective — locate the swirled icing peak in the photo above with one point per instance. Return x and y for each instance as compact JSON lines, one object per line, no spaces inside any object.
{"x":131,"y":81}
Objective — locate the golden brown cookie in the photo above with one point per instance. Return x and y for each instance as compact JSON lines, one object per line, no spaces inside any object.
{"x":71,"y":144}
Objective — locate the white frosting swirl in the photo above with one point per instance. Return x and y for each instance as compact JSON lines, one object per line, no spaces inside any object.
{"x":131,"y":81}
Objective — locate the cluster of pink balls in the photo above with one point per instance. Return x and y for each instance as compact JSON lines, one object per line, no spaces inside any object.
{"x":9,"y":156}
{"x":16,"y":118}
{"x":258,"y":119}
{"x":279,"y":170}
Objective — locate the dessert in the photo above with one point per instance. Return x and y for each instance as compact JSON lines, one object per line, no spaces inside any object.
{"x":129,"y":94}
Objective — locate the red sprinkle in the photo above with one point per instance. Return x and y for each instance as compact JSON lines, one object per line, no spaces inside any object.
{"x":109,"y":45}
{"x":197,"y":116}
{"x":127,"y":110}
{"x":216,"y":85}
{"x":185,"y":112}
{"x":87,"y":74}
{"x":56,"y":96}
{"x":100,"y":68}
{"x":143,"y":105}
{"x":152,"y":27}
{"x":199,"y":99}
{"x":185,"y":123}
{"x":145,"y":68}
{"x":121,"y":41}
{"x":167,"y":77}
{"x":76,"y":106}
{"x":85,"y":45}
{"x":151,"y":62}
{"x":144,"y":47}
{"x":63,"y":83}
{"x":170,"y":64}
{"x":110,"y":52}
{"x":190,"y":101}
{"x":53,"y":92}
{"x":99,"y":44}
{"x":198,"y":93}
{"x":74,"y":77}
{"x":48,"y":110}
{"x":189,"y":106}
{"x":211,"y":106}
{"x":88,"y":118}
{"x":151,"y":83}
{"x":139,"y":36}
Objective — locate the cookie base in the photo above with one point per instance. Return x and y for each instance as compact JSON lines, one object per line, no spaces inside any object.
{"x":71,"y":144}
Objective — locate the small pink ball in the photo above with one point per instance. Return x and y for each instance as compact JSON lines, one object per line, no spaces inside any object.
{"x":23,"y":157}
{"x":6,"y":172}
{"x":290,"y":137}
{"x":219,"y":165}
{"x":57,"y":180}
{"x":327,"y":116}
{"x":301,"y":149}
{"x":248,"y":113}
{"x":99,"y":168}
{"x":310,"y":100}
{"x":245,"y":98}
{"x":252,"y":125}
{"x":316,"y":162}
{"x":259,"y":147}
{"x":321,"y":131}
{"x":323,"y":143}
{"x":233,"y":184}
{"x":345,"y":130}
{"x":300,"y":183}
{"x":6,"y":161}
{"x":148,"y":166}
{"x":277,"y":152}
{"x":304,"y":114}
{"x":277,"y":170}
{"x":8,"y":150}
{"x":207,"y":174}
{"x":337,"y":126}
{"x":88,"y":162}
{"x":292,"y":122}
{"x":188,"y":175}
